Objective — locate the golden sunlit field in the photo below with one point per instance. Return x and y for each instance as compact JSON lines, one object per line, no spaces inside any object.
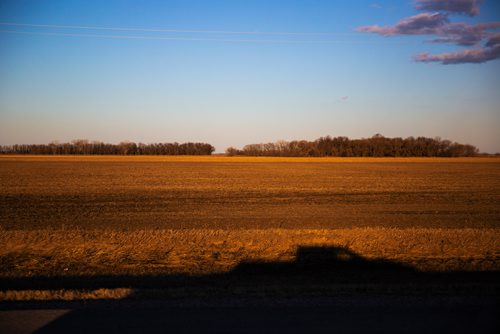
{"x":89,"y":219}
{"x":129,"y":193}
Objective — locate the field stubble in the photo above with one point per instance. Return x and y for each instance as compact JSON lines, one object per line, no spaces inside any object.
{"x":247,"y":193}
{"x":91,"y":216}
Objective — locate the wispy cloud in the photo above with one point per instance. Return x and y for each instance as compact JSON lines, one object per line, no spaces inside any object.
{"x":467,"y":7}
{"x":436,"y":24}
{"x":494,"y":40}
{"x":421,"y":24}
{"x":439,"y":25}
{"x":460,"y":57}
{"x":464,"y":34}
{"x":479,"y":55}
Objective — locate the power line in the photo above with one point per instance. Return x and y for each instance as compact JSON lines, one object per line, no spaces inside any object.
{"x":224,"y":32}
{"x":161,"y":38}
{"x":284,"y":41}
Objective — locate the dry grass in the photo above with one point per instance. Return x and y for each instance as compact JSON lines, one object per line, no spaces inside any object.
{"x":64,"y":294}
{"x":87,"y":253}
{"x":160,"y":253}
{"x":88,"y":216}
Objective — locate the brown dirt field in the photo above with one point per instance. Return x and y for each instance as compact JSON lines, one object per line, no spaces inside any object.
{"x":83,"y":222}
{"x":247,"y":193}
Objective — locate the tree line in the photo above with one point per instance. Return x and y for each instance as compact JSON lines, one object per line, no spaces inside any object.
{"x":376,"y":146}
{"x":82,"y":146}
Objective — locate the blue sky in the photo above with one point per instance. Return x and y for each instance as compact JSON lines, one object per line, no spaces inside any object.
{"x":228,"y":92}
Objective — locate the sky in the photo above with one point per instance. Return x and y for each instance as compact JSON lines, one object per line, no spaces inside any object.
{"x":237,"y":72}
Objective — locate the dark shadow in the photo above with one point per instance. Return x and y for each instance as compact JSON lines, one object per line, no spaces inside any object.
{"x":327,"y":265}
{"x":324,"y":261}
{"x":323,"y":289}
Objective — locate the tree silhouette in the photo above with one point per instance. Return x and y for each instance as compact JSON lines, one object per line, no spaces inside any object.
{"x":376,"y":146}
{"x":85,"y":147}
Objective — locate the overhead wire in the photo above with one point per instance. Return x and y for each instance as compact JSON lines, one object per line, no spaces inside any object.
{"x":182,"y":38}
{"x":225,"y":32}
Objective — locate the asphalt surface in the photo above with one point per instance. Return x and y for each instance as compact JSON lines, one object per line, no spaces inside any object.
{"x":358,"y":316}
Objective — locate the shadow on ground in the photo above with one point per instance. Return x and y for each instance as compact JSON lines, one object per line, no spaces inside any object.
{"x":325,"y":289}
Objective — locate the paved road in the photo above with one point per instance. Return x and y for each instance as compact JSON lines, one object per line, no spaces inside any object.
{"x":158,"y":317}
{"x":28,"y":321}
